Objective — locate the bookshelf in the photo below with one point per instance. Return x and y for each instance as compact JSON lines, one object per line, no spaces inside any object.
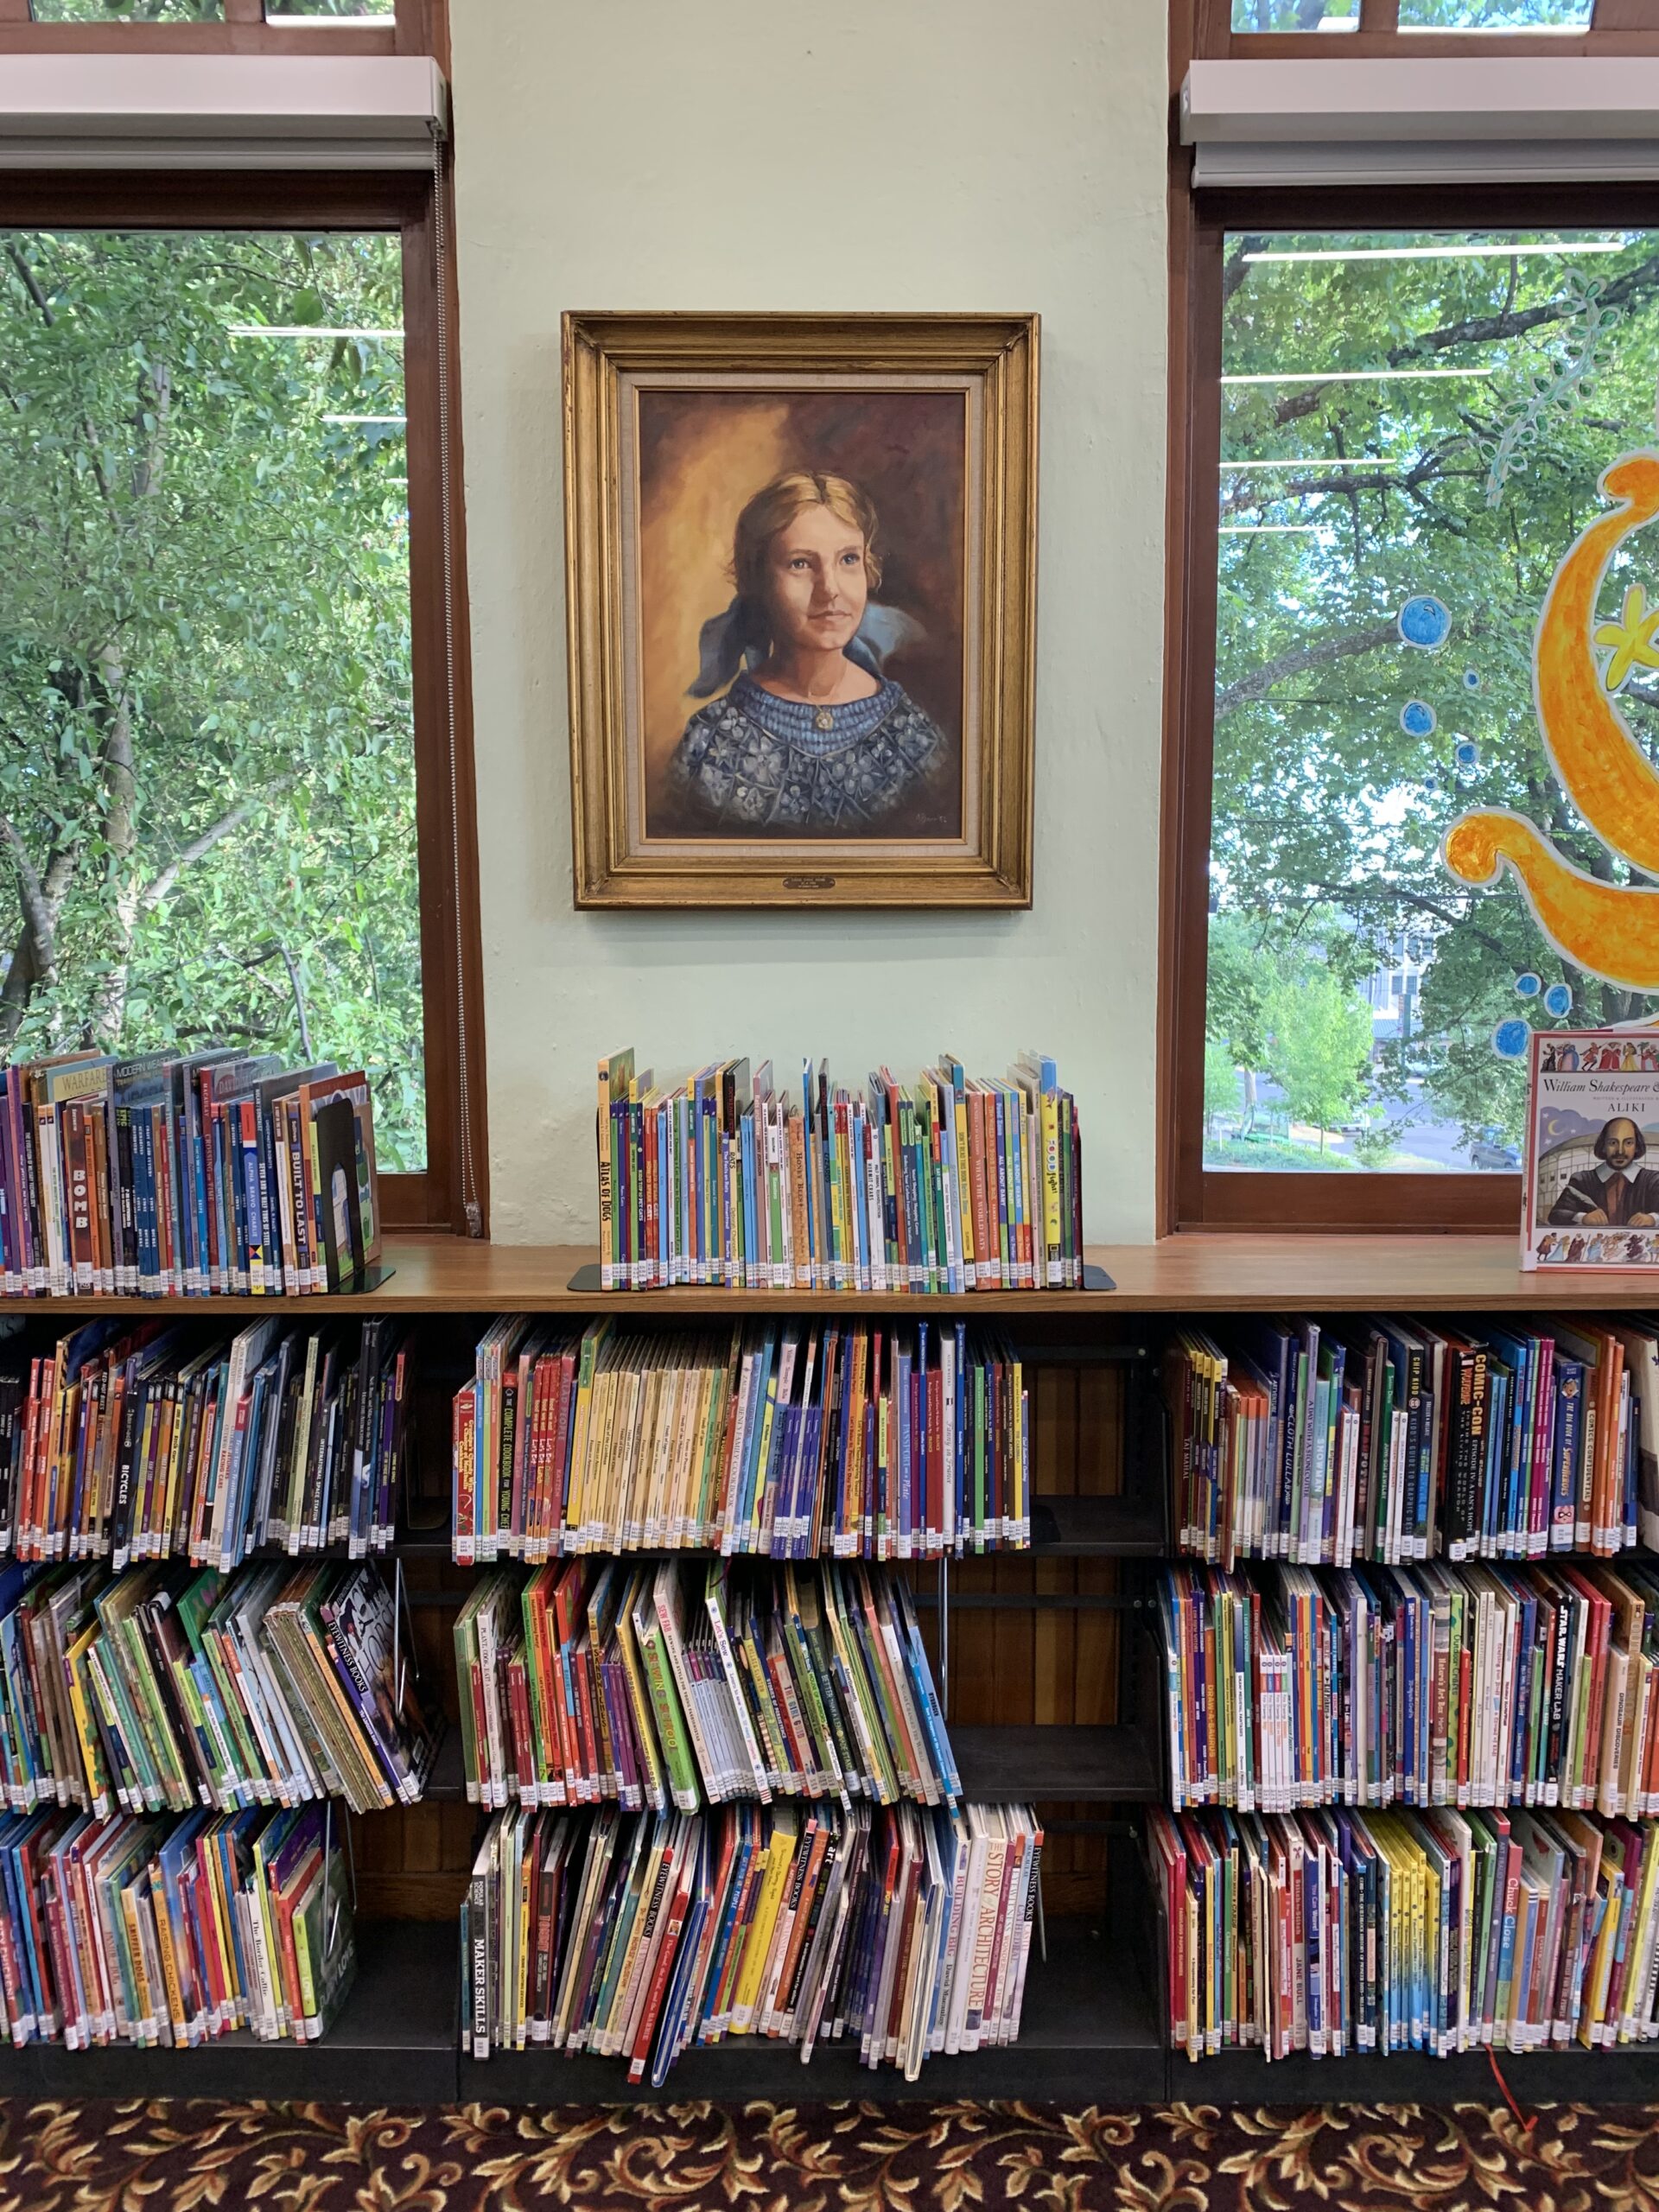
{"x":1045,"y":1627}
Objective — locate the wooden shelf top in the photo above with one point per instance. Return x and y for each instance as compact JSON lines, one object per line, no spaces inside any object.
{"x":1216,"y":1273}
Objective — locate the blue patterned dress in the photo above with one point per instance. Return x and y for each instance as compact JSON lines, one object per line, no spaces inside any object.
{"x":750,"y":763}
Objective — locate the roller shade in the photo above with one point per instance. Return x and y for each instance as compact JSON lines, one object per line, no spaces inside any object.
{"x":1582,"y":118}
{"x":158,"y":110}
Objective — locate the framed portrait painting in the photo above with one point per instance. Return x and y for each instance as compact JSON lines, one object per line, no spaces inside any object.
{"x":801,"y":558}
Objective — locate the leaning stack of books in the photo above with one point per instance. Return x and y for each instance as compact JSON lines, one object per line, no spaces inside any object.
{"x":164,"y":1688}
{"x":634,"y":1936}
{"x":1392,"y":1441}
{"x":677,"y":1686}
{"x":1437,"y":1931}
{"x":129,"y":1442}
{"x":1427,"y":1686}
{"x":886,"y":1442}
{"x":184,"y":1174}
{"x":119,"y":1929}
{"x":950,"y":1183}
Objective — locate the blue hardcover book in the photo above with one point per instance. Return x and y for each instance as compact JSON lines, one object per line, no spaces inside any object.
{"x":1492,"y":1489}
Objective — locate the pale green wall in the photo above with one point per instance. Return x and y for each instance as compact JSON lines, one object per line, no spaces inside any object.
{"x":878,"y":153}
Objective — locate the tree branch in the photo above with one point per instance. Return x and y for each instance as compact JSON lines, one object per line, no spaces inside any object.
{"x":31,"y":285}
{"x":1346,"y":894}
{"x":161,"y":885}
{"x":32,"y":897}
{"x":1260,"y":680}
{"x":1342,"y":485}
{"x":1481,"y":330}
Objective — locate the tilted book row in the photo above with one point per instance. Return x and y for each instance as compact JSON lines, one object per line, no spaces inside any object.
{"x":154,"y":1441}
{"x":1288,"y":1687}
{"x":674,"y":1687}
{"x":1441,"y":1932}
{"x":184,"y":1174}
{"x":164,"y":1688}
{"x":883,"y":1442}
{"x":948,"y":1184}
{"x":118,"y":1929}
{"x":634,"y":1936}
{"x":1323,"y":1443}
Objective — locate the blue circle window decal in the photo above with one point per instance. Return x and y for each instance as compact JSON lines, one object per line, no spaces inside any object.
{"x":1417,"y":718}
{"x":1528,"y":985}
{"x":1558,"y":999}
{"x":1468,"y":753}
{"x":1511,"y":1038}
{"x":1425,"y":622}
{"x":1471,"y":679}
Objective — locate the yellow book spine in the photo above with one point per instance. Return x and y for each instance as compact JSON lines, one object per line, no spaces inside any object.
{"x":779,"y":1854}
{"x":169,"y":1959}
{"x":98,"y":1787}
{"x":302,"y":1962}
{"x":645,"y":1728}
{"x":236,"y":1995}
{"x":1049,"y":1115}
{"x":964,"y":1188}
{"x":143,"y":1995}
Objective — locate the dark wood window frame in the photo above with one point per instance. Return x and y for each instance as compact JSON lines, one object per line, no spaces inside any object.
{"x":451,"y":1193}
{"x":1190,"y":1196}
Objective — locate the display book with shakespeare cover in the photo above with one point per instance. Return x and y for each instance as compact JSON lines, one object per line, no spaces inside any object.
{"x":179,"y":1174}
{"x":949,"y":1184}
{"x":1590,"y":1184}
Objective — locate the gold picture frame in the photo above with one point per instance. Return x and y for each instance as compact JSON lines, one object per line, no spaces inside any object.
{"x":725,"y":749}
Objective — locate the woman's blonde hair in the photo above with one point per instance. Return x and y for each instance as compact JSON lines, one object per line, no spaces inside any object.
{"x":776,"y":506}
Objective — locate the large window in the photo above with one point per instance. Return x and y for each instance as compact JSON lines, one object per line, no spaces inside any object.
{"x":1413,"y":428}
{"x":235,"y":760}
{"x":207,"y":756}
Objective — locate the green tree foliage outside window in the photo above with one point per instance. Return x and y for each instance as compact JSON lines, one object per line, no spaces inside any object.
{"x":1408,"y":415}
{"x":207,"y":764}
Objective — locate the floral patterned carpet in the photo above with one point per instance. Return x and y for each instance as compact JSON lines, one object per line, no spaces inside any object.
{"x":182,"y":2156}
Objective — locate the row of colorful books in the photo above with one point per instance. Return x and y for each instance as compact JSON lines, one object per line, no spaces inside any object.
{"x":785,"y":1439}
{"x":173,"y":1932}
{"x":165,"y":1689}
{"x":151,"y":1442}
{"x":948,"y":1184}
{"x":1441,"y":1932}
{"x":676,"y":1686}
{"x":180,"y":1174}
{"x":1391,"y":1440}
{"x":1290,"y":1687}
{"x":634,"y":1936}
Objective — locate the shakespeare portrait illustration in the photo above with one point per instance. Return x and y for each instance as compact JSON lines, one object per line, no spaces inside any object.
{"x":1619,"y":1191}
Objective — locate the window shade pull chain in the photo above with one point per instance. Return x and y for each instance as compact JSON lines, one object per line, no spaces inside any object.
{"x":474,"y":1211}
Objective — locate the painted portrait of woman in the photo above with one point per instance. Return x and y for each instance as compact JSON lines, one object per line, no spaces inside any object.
{"x":804,"y":736}
{"x":800,"y":586}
